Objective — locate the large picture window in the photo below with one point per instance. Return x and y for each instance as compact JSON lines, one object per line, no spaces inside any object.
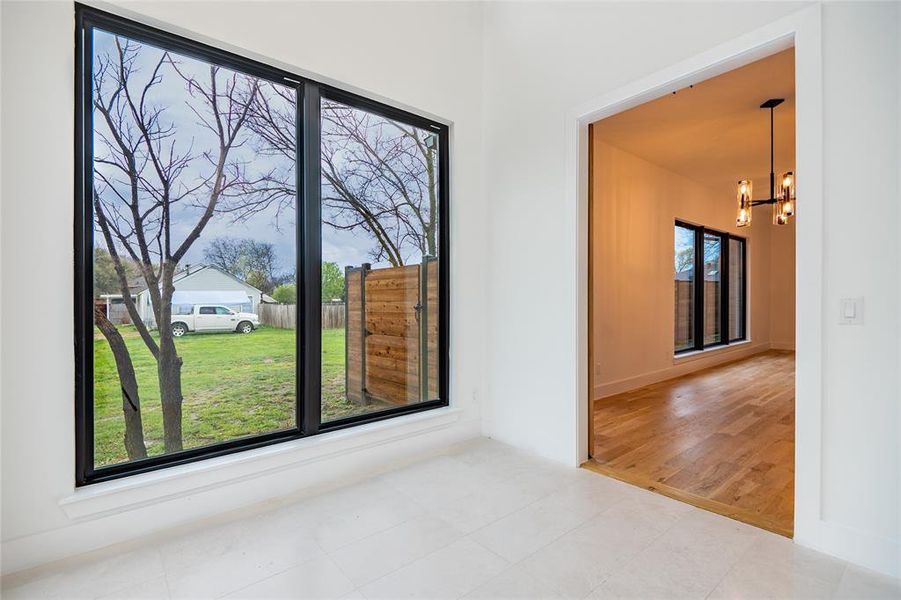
{"x":259,"y":257}
{"x":710,"y":309}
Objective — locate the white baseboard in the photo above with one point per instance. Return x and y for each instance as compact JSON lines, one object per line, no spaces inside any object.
{"x":123,"y":511}
{"x":858,"y":547}
{"x":682,"y":366}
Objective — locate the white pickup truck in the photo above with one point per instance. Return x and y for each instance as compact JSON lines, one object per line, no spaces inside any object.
{"x":213,"y":317}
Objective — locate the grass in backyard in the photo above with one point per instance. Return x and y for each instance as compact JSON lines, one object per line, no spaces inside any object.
{"x":233,"y":385}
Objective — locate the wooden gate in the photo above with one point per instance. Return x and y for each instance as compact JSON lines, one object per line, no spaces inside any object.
{"x":391,"y":341}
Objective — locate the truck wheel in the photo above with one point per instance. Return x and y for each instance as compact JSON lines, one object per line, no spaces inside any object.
{"x":245,"y":327}
{"x":179,"y":329}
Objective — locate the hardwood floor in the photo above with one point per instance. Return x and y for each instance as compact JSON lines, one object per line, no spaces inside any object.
{"x":721,"y":439}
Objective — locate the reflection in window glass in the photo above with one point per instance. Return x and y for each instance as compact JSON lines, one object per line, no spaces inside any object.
{"x":736,"y":289}
{"x":684,"y":279}
{"x":713,"y":270}
{"x":192,"y":235}
{"x":380,"y":263}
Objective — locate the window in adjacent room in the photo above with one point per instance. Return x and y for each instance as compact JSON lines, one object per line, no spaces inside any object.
{"x":710,"y":310}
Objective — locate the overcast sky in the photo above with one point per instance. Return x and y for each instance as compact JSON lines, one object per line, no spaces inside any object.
{"x":273,"y":226}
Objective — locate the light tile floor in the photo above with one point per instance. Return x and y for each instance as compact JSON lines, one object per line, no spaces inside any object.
{"x":481,"y":521}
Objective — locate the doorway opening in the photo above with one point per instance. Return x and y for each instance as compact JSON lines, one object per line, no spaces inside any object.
{"x":691,"y":315}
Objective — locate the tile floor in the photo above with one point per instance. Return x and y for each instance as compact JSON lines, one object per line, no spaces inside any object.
{"x":482,"y":521}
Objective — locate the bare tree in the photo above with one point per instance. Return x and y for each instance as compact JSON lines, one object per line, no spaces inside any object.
{"x":685,"y":259}
{"x":377,"y":175}
{"x":128,"y":384}
{"x":225,"y":253}
{"x":144,"y":173}
{"x":246,"y":259}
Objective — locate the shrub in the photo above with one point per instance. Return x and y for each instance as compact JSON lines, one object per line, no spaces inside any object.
{"x":285,"y":293}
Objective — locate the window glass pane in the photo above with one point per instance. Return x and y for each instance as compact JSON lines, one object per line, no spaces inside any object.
{"x":736,"y":289}
{"x":684,"y":280}
{"x":193,"y":205}
{"x":712,"y":287}
{"x":379,"y":263}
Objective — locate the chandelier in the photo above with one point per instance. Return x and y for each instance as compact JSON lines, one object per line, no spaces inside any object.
{"x":782,"y":197}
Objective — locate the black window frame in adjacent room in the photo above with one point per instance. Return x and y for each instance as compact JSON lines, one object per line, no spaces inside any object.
{"x":743,"y":243}
{"x":698,"y":301}
{"x":308,"y":247}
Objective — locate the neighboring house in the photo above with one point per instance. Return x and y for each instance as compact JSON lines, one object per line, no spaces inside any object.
{"x":114,"y":305}
{"x":205,"y":284}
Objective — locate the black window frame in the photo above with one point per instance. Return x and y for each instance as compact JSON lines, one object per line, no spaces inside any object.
{"x":308,"y":247}
{"x":698,"y":300}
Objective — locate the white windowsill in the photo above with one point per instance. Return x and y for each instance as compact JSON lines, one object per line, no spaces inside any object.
{"x":166,"y":484}
{"x":699,"y":354}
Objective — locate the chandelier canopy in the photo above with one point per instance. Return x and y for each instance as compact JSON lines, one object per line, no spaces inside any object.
{"x":782,"y":196}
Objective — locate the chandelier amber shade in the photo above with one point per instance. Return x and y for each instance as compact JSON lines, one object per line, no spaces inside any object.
{"x":779,"y":216}
{"x":744,"y":203}
{"x":787,"y":193}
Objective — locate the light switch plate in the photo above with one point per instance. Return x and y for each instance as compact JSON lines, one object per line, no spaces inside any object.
{"x":850,"y":311}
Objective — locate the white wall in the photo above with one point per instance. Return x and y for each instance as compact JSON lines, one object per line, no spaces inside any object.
{"x":861,"y":457}
{"x":635,"y":204}
{"x":425,"y":56}
{"x":543,"y":61}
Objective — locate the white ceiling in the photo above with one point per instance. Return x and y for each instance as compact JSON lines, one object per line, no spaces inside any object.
{"x":715,"y":133}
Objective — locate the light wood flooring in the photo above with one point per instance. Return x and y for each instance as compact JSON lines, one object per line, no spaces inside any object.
{"x":721,"y":439}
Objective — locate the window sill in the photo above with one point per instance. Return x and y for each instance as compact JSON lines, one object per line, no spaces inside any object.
{"x":699,"y":354}
{"x":121,"y":495}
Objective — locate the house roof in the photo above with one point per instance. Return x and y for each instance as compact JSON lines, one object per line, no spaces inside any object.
{"x":184,"y":274}
{"x":225,"y":297}
{"x":137,"y":283}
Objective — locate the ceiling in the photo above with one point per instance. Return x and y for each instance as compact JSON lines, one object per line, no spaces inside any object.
{"x":714,"y":132}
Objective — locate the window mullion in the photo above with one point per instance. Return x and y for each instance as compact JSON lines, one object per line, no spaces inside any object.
{"x":310,"y":250}
{"x":699,"y":288}
{"x":725,"y":288}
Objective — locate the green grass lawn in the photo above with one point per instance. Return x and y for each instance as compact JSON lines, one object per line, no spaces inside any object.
{"x":234,"y":386}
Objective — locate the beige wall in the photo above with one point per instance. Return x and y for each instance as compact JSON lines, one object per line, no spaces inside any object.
{"x":782,"y":286}
{"x":634,"y":206}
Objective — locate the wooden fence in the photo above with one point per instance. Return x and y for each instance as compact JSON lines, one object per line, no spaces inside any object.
{"x":284,"y":316}
{"x":390,"y":323}
{"x":392,"y":333}
{"x":333,"y":315}
{"x":684,"y":331}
